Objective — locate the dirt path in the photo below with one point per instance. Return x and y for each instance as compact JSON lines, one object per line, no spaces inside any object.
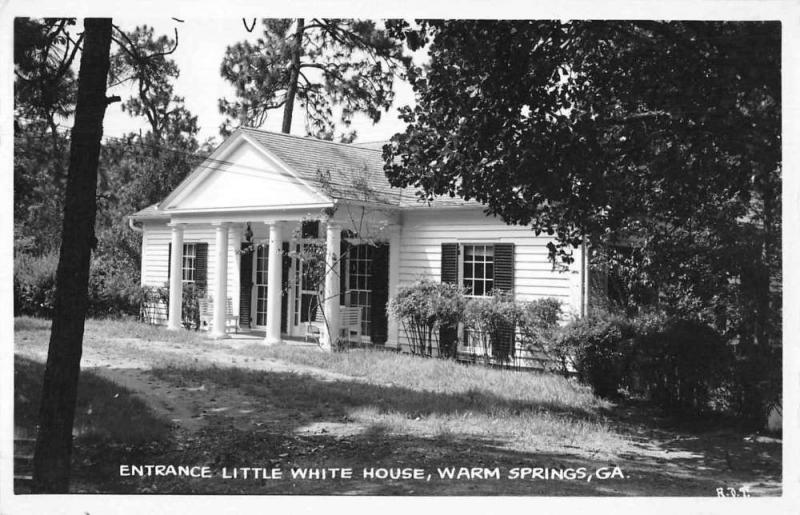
{"x":128,"y":361}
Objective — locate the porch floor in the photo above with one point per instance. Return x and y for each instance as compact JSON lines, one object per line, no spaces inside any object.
{"x":254,"y":335}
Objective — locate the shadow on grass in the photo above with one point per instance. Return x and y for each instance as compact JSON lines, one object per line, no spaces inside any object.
{"x":121,"y":429}
{"x":104,"y":410}
{"x":110,"y":422}
{"x":656,"y":461}
{"x":291,"y":401}
{"x":304,"y":392}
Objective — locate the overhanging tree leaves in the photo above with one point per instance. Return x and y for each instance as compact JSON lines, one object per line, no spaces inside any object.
{"x":320,"y":64}
{"x":54,"y":439}
{"x":665,"y":136}
{"x":662,"y":136}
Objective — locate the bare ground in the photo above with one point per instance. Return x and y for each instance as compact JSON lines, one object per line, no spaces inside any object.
{"x":225,"y":425}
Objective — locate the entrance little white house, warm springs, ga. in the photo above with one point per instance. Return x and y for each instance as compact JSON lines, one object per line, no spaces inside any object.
{"x":272,"y":192}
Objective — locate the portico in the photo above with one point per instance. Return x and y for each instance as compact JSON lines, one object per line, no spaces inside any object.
{"x":264,"y":280}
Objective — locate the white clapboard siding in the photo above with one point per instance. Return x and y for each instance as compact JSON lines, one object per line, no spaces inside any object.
{"x":424,"y":231}
{"x":155,"y":255}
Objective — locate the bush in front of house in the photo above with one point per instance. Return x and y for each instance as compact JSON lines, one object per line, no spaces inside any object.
{"x":190,"y":303}
{"x":492,"y":323}
{"x":598,"y":348}
{"x":423,"y":309}
{"x":538,"y":327}
{"x":679,"y":364}
{"x":682,"y":365}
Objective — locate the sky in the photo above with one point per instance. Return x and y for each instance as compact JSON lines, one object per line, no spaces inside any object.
{"x":201,"y":46}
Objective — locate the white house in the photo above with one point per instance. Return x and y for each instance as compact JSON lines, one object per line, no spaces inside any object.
{"x":277,"y":190}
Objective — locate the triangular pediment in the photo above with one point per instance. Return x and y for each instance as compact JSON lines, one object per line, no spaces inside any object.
{"x":240,"y":175}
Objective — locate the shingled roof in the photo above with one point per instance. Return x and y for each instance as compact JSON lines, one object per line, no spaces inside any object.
{"x":340,"y":170}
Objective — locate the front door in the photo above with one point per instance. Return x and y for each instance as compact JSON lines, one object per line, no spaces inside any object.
{"x":304,"y":294}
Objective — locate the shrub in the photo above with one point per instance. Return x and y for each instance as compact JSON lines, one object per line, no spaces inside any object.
{"x":682,"y":365}
{"x":114,"y":289}
{"x":492,"y":322}
{"x":679,"y":364}
{"x":111,"y":291}
{"x":423,"y":308}
{"x":35,"y":284}
{"x":598,"y":347}
{"x":757,"y":386}
{"x":538,"y":327}
{"x":190,"y":305}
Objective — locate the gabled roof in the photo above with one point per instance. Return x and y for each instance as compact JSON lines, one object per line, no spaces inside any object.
{"x":334,"y":168}
{"x":340,"y":171}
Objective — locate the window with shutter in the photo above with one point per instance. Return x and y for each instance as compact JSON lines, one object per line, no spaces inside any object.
{"x":477,"y":270}
{"x":194,"y":264}
{"x":188,"y":263}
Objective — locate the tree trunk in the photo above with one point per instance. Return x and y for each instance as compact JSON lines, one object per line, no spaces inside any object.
{"x":57,"y":409}
{"x":294,"y":76}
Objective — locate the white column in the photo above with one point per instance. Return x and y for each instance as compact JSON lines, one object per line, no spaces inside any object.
{"x":333,"y":243}
{"x":221,"y":281}
{"x":236,"y":238}
{"x":176,"y":279}
{"x":393,"y":338}
{"x":274,"y":266}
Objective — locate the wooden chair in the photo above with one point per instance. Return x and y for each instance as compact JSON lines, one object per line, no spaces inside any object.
{"x":314,"y":327}
{"x":350,"y":322}
{"x":206,"y":308}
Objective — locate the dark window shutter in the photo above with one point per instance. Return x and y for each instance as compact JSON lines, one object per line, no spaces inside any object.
{"x":504,"y":267}
{"x":448,"y":335}
{"x":344,"y":261}
{"x":201,"y":267}
{"x":503,"y":339}
{"x":245,"y":285}
{"x":450,"y":263}
{"x":169,"y":261}
{"x":379,"y":285}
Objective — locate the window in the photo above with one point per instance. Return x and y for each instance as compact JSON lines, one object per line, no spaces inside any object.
{"x":359,"y":274}
{"x":477,"y":270}
{"x":189,"y":263}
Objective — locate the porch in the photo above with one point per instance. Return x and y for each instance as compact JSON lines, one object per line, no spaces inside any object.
{"x":275,"y":289}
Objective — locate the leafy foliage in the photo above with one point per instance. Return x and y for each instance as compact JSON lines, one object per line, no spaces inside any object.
{"x":423,"y":308}
{"x":135,"y":171}
{"x":323,"y":64}
{"x":657,"y":143}
{"x":663,"y":135}
{"x":45,"y":83}
{"x":598,"y":349}
{"x":680,"y":364}
{"x":492,"y":322}
{"x":34,"y":284}
{"x":112,"y":291}
{"x":538,"y":326}
{"x":190,"y":302}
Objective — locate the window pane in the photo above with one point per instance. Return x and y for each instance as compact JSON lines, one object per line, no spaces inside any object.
{"x":478,"y":288}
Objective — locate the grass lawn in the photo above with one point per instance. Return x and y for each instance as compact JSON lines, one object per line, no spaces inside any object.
{"x":150,"y":396}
